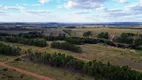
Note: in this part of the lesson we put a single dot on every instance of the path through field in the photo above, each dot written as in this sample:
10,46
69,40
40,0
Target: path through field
26,72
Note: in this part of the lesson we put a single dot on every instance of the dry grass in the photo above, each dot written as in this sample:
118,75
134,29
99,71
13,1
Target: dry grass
100,52
80,31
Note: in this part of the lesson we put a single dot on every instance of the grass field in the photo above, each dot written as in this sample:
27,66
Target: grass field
6,57
6,74
80,31
100,52
56,73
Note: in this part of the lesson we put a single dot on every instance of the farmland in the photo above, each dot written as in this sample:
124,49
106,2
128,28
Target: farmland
99,52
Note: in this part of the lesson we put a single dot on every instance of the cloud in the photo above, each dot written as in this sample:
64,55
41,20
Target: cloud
44,1
39,11
82,12
129,10
0,6
84,4
59,6
36,5
14,7
135,8
123,1
114,13
1,12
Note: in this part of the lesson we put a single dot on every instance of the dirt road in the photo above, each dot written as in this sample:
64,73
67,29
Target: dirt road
26,72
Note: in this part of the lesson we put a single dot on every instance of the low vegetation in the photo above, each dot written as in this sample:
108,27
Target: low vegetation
7,74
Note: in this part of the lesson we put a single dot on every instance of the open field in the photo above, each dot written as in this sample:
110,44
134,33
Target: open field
80,31
7,74
5,57
99,52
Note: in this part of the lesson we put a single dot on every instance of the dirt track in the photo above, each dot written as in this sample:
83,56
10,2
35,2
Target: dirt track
26,72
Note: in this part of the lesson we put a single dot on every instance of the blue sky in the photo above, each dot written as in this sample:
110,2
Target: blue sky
70,11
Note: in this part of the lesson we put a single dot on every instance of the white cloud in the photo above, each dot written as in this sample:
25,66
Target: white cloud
84,4
2,12
130,12
59,6
123,1
1,6
36,5
14,7
44,1
82,12
135,8
38,11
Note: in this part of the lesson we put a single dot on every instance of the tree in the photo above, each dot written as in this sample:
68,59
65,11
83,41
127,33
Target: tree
66,46
103,35
92,68
87,34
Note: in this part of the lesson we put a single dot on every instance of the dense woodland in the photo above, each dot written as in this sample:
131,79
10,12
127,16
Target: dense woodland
66,46
9,50
92,68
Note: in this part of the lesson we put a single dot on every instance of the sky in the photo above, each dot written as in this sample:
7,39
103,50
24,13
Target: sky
76,11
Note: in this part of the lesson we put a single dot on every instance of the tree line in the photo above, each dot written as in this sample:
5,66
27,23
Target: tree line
92,68
21,40
135,41
54,38
9,50
75,40
66,46
33,34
